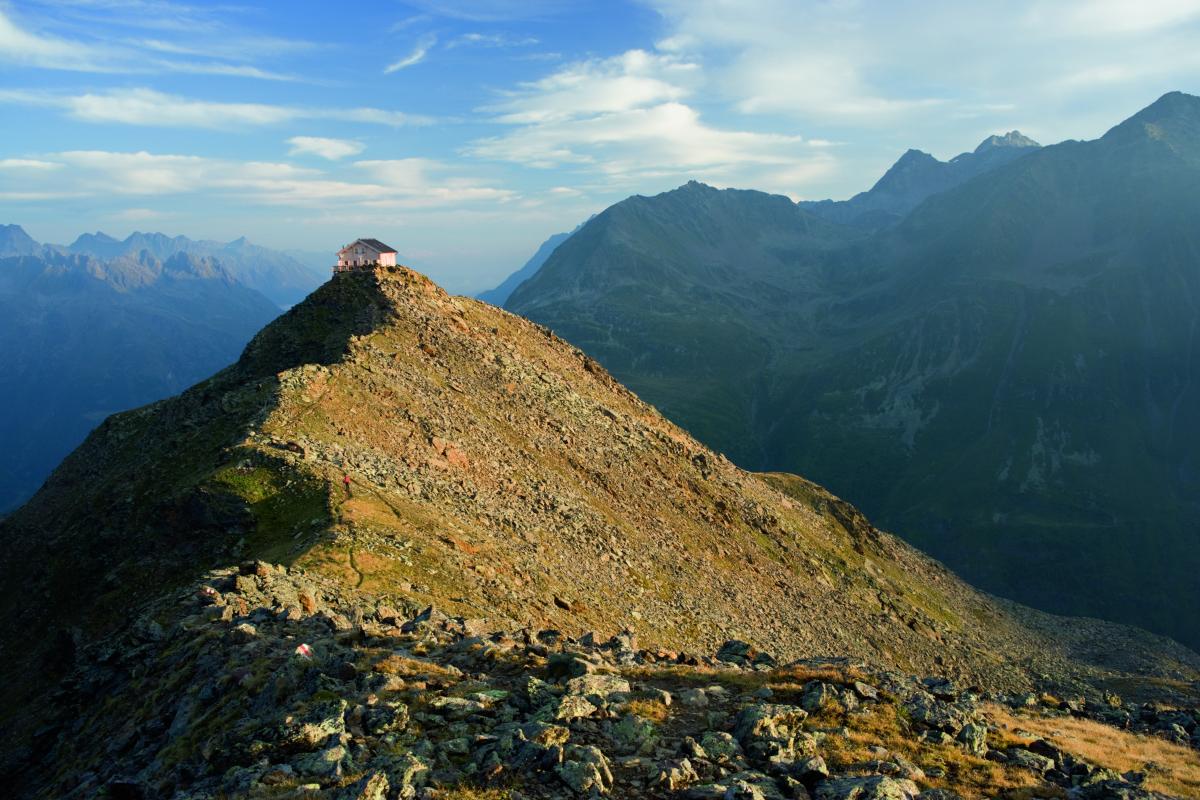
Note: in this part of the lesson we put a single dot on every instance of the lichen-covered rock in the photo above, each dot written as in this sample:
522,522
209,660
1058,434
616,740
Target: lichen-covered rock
374,786
876,787
768,721
573,706
584,769
598,687
973,738
323,720
933,713
1020,757
633,734
721,747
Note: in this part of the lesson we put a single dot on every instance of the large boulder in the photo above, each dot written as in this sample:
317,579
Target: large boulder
585,769
744,654
876,787
927,710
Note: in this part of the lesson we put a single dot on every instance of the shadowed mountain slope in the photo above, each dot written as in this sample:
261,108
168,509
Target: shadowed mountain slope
1006,377
82,338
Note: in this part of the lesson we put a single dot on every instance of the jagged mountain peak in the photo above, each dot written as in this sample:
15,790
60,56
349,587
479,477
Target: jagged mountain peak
14,241
85,239
1013,138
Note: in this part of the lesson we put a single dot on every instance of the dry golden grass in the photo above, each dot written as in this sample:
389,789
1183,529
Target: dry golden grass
405,667
654,710
1177,770
697,675
471,793
883,725
797,673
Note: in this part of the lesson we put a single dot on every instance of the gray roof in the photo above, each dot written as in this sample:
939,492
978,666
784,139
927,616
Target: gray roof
375,244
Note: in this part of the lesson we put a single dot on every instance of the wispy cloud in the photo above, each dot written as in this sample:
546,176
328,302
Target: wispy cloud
871,65
490,40
31,48
331,149
424,44
224,54
401,184
494,10
28,164
147,107
410,21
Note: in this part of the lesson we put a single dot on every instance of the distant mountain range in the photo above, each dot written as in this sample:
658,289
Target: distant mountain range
83,336
281,277
997,357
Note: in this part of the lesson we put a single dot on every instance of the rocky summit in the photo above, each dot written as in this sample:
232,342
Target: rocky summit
411,545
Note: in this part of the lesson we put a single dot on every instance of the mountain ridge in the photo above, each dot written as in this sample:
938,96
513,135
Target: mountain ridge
951,349
917,175
252,620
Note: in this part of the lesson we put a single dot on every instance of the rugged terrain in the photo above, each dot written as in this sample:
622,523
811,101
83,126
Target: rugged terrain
268,682
1006,377
498,475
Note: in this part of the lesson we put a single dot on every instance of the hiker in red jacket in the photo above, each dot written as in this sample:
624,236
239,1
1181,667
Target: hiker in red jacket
346,483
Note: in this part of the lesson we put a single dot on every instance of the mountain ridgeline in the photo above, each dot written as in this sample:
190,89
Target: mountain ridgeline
917,176
500,294
393,449
278,276
1006,374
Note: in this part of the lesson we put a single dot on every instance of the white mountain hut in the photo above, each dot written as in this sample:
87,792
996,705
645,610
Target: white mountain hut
365,254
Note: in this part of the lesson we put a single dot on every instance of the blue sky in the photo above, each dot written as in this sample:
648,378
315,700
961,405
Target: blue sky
464,132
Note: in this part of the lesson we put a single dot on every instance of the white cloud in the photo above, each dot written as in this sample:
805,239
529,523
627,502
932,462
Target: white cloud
415,57
331,149
631,80
148,107
869,65
625,119
403,184
1106,18
138,214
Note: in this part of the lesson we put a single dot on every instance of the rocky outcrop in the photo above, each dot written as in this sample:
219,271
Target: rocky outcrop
240,690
